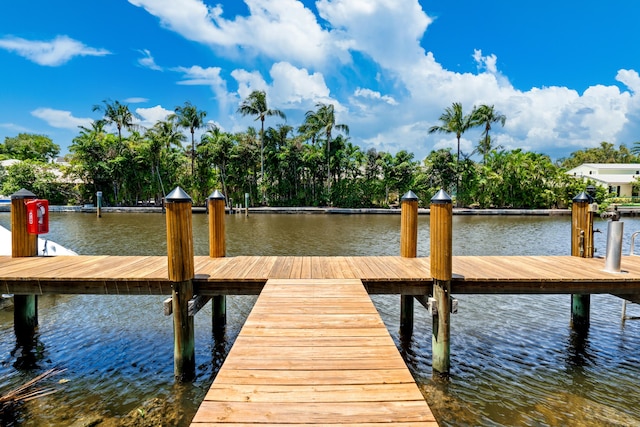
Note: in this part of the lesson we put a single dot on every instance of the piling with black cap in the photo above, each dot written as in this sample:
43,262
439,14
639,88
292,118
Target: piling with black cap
217,249
581,246
23,244
181,273
408,249
441,257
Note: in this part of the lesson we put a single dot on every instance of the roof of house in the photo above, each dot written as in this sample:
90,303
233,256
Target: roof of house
610,166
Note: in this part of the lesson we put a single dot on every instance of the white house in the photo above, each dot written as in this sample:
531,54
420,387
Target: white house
617,177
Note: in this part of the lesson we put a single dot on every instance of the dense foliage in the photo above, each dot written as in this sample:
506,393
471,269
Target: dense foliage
314,164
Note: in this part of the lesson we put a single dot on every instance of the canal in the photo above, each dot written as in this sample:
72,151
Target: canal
515,360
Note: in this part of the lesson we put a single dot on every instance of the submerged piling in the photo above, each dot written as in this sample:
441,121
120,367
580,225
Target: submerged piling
217,249
23,244
181,272
581,246
408,249
441,256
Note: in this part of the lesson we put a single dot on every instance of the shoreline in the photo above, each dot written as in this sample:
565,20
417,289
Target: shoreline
307,210
624,212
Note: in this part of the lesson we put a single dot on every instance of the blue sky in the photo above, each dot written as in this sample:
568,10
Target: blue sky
565,74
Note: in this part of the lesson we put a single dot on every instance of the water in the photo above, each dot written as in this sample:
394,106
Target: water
515,361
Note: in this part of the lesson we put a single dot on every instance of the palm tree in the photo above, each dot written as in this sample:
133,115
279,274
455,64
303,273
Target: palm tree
454,121
219,145
189,117
485,115
162,136
117,114
256,105
324,121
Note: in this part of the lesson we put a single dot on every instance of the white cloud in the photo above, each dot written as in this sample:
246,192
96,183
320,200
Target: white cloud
50,53
60,119
210,77
12,127
282,30
147,60
389,31
150,116
296,87
248,82
629,78
371,94
136,100
291,87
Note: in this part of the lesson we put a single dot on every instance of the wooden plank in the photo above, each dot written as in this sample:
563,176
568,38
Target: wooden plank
313,352
305,377
313,393
314,413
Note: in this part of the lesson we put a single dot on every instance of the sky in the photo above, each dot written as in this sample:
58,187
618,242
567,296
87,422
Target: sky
564,73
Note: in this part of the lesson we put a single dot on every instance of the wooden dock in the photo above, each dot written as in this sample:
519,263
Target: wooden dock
244,275
314,352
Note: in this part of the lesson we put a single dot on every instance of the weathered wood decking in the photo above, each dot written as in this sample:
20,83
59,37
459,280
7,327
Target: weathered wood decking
314,351
147,275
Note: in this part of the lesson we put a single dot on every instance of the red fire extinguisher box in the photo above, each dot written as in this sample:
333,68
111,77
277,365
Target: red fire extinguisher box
37,216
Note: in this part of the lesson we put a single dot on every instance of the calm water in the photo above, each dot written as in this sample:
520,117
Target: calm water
515,361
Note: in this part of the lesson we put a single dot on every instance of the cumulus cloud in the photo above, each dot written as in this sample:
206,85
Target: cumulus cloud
60,118
50,53
282,30
389,31
372,94
150,116
296,87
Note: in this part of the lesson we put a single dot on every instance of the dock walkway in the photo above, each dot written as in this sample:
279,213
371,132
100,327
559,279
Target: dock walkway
246,275
314,351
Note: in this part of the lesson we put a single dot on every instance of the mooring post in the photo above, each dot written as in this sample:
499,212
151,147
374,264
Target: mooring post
99,204
23,244
581,246
181,272
441,256
246,204
217,249
408,249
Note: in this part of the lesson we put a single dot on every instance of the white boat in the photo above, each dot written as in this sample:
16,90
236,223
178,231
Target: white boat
45,248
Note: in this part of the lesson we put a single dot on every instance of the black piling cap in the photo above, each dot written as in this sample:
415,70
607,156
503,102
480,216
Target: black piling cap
178,195
216,195
583,198
23,194
409,196
441,198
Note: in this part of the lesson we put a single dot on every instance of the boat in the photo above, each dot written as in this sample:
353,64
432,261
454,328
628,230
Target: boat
46,247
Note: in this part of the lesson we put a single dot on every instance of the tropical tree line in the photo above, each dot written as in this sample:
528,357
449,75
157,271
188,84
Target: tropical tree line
313,164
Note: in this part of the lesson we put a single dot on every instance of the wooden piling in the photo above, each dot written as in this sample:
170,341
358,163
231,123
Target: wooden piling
408,249
181,272
441,256
217,249
23,244
99,204
581,246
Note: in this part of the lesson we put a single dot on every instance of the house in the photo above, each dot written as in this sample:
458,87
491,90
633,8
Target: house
617,177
